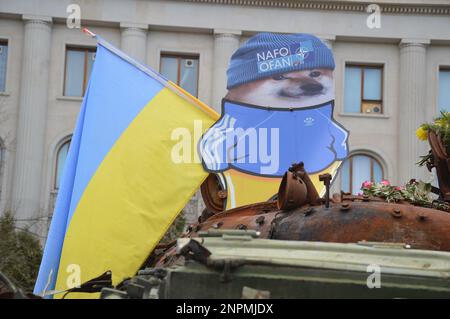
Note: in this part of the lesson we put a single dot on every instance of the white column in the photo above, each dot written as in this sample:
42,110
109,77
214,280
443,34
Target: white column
412,108
32,117
226,42
134,40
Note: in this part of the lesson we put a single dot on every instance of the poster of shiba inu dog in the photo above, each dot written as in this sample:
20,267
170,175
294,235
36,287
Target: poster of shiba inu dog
278,111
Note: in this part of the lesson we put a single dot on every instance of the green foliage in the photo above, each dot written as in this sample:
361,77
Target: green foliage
383,190
441,126
425,159
20,254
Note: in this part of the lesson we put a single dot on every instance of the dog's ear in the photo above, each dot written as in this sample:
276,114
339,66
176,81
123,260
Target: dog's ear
229,95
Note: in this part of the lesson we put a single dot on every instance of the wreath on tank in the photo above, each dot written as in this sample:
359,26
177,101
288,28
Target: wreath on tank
415,192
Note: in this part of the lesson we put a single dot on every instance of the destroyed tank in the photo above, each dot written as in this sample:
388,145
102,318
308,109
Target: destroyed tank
299,245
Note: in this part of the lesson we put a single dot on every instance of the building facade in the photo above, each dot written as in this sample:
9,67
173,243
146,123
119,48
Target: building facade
392,74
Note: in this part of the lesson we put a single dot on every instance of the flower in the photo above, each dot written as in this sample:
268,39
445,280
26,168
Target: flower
367,184
415,192
422,133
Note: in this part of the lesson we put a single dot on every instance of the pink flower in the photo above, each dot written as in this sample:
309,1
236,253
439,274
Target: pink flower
398,188
367,184
385,183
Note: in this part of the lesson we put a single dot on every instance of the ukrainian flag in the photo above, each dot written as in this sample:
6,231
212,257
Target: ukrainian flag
121,189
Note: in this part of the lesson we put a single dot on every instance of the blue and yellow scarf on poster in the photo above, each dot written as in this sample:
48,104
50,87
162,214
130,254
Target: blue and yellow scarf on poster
251,147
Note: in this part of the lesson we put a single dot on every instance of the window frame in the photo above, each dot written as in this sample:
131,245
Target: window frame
86,50
372,158
363,66
6,41
441,68
64,141
179,56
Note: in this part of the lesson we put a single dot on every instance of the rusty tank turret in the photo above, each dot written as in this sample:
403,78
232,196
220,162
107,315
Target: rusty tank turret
297,213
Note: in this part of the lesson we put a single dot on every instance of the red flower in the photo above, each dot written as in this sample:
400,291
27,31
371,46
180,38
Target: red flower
367,184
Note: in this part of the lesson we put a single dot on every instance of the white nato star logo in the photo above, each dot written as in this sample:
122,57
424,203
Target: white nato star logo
301,52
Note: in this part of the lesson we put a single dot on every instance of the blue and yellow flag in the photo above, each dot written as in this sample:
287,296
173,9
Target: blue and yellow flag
121,188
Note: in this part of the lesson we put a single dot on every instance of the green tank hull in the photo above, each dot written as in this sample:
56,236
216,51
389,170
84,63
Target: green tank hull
235,264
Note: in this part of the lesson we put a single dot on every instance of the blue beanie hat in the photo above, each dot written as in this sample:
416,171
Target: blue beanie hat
269,54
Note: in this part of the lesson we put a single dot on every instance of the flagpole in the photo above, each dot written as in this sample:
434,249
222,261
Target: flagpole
89,32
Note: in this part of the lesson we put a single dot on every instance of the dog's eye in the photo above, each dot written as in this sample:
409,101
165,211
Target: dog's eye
279,77
315,74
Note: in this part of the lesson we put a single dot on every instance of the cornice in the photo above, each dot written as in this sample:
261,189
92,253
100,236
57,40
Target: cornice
336,6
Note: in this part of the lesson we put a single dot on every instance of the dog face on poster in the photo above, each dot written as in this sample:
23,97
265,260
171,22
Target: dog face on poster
278,111
293,89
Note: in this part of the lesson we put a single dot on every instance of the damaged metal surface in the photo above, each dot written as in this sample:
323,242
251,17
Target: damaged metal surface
213,195
299,214
293,192
351,222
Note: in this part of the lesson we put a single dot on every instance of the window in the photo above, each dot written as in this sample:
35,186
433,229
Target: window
3,62
78,68
181,70
357,169
363,91
444,90
61,156
2,154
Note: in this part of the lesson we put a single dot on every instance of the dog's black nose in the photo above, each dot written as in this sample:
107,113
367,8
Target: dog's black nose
312,88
